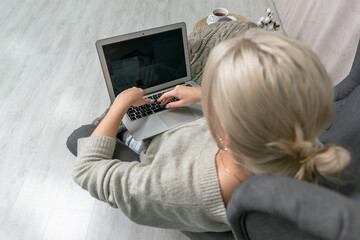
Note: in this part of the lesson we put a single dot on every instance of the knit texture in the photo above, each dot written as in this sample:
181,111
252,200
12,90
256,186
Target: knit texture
206,38
174,186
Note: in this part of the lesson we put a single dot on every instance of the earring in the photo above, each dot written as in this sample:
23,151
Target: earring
223,145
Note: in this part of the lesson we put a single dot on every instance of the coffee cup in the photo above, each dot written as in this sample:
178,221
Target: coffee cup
217,14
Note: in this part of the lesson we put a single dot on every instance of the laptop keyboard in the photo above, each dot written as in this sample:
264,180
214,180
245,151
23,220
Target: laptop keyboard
148,109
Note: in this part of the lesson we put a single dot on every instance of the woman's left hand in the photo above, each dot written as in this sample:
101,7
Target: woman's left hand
132,97
110,124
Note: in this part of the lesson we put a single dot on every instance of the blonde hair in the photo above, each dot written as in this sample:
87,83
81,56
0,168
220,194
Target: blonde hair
272,97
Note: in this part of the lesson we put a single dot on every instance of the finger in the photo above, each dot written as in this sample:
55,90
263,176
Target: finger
148,101
143,102
165,101
163,97
166,95
179,103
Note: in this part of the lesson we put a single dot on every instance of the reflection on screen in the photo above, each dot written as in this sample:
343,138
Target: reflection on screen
146,61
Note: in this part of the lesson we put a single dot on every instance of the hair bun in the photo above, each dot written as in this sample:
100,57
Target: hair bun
303,149
331,160
299,149
309,150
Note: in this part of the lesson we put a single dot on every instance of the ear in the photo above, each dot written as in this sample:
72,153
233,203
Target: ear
226,140
223,134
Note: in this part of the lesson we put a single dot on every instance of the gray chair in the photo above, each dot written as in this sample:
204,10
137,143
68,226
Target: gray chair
269,207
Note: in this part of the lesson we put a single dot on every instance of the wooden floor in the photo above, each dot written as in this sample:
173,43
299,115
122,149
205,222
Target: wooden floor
50,84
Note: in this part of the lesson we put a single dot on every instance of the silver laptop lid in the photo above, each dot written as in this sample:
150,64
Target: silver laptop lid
152,59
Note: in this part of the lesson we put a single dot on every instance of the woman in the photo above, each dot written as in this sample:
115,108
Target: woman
265,98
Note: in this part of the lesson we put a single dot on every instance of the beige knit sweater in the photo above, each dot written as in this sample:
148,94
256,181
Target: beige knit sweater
174,186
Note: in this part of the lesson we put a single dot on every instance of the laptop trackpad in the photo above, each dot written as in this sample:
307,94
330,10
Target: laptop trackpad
174,117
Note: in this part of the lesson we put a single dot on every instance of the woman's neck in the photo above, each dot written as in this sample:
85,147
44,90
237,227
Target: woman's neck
230,174
236,169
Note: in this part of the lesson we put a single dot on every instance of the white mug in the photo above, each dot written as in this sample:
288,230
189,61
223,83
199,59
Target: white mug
218,13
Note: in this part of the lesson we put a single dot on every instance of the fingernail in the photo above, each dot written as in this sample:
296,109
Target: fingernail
152,101
167,106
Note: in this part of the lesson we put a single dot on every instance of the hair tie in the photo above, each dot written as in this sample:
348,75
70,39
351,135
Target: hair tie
309,157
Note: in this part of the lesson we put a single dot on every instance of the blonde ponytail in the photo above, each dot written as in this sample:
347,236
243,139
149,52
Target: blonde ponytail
328,162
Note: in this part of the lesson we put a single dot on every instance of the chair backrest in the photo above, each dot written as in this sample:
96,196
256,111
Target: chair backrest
310,208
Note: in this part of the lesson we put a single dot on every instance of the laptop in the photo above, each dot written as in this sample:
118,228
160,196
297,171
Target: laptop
155,60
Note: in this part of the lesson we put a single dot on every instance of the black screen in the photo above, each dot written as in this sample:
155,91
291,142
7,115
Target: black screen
146,61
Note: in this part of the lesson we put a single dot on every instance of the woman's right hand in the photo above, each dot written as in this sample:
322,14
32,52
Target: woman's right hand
186,95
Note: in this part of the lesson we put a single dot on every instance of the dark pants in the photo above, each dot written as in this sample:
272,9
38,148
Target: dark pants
122,151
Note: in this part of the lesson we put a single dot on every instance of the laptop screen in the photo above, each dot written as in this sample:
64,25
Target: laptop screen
146,61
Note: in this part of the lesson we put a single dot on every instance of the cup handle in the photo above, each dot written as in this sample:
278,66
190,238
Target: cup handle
211,18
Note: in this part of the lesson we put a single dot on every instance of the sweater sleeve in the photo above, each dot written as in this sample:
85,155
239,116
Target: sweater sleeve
148,194
94,170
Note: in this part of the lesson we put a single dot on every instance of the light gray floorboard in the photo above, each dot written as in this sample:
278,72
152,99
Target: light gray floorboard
51,83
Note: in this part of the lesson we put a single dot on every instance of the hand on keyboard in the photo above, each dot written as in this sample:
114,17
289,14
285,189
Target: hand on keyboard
132,97
145,110
186,96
